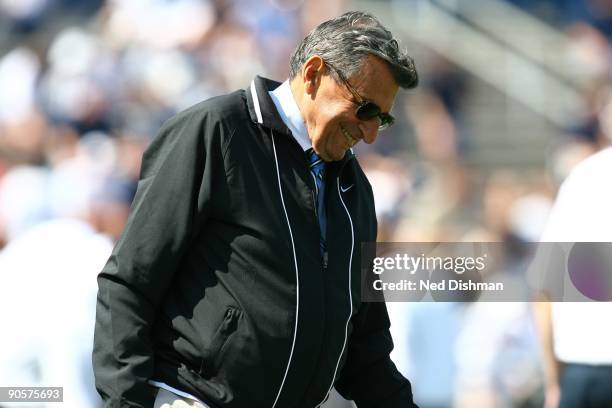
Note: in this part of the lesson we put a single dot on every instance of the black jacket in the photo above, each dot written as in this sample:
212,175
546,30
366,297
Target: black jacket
217,286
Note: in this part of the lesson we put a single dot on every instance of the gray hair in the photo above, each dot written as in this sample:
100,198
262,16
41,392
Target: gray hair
345,41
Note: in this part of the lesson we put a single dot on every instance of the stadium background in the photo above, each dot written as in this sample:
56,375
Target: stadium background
513,94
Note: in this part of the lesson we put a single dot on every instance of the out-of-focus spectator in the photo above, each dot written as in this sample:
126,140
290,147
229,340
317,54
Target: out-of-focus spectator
47,298
576,337
56,247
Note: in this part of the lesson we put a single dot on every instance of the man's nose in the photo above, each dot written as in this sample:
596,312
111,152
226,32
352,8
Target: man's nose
369,129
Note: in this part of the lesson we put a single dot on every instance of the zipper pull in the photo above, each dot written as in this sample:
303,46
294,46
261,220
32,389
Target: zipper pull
324,260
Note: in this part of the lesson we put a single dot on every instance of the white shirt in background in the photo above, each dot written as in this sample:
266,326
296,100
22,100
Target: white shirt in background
583,213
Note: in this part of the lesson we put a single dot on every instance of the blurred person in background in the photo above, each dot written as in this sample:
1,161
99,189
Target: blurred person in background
576,336
48,271
235,282
47,274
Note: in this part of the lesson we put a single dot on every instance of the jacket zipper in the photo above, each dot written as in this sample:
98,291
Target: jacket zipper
324,262
349,289
326,254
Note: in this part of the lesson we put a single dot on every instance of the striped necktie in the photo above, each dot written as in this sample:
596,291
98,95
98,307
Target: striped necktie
317,170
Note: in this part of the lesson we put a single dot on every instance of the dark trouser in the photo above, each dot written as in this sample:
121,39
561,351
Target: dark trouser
586,386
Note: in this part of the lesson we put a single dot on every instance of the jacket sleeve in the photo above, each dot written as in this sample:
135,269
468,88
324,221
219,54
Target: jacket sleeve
172,199
369,377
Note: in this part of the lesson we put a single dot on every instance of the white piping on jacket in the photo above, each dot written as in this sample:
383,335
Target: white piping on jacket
256,103
349,290
297,277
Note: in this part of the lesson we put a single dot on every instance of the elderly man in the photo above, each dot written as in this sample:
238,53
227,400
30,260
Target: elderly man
236,282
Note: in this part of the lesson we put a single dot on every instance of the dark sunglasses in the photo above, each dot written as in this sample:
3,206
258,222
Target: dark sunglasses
366,110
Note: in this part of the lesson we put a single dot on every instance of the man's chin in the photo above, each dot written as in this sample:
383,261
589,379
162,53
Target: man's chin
330,158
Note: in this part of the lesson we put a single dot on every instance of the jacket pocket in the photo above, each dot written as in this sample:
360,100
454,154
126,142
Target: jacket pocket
214,356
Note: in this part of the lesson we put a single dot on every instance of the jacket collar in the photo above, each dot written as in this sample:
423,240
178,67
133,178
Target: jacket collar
261,107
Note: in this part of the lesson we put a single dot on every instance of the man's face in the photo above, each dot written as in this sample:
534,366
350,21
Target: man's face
333,126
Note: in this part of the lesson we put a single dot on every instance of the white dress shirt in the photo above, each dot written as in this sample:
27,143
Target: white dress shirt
290,114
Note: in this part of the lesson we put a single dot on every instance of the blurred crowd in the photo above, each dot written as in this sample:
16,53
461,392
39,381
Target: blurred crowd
84,86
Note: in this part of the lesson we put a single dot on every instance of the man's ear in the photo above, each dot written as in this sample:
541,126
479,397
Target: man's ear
312,71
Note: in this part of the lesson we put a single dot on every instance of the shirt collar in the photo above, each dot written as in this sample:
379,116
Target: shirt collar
290,114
